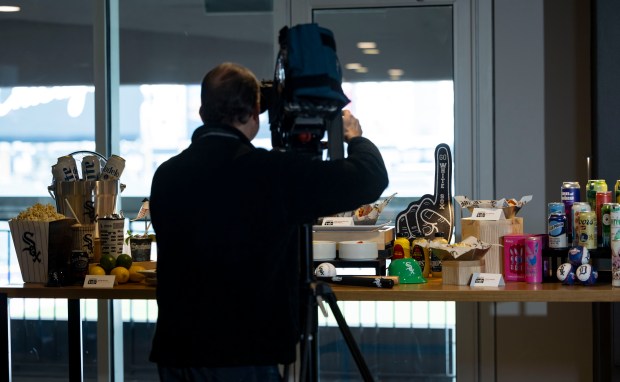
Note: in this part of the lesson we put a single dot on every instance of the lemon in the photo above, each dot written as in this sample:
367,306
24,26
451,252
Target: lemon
134,274
121,273
124,260
107,262
96,270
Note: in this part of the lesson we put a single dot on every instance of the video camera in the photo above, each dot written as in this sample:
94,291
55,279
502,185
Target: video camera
305,97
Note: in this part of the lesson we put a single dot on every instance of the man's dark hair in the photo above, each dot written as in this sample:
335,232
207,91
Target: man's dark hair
230,93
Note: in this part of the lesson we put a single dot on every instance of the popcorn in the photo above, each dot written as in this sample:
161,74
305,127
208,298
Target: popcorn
40,212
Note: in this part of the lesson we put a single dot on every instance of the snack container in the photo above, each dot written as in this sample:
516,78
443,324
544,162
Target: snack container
42,247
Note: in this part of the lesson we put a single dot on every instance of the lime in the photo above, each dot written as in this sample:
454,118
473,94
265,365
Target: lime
121,273
123,260
107,262
134,273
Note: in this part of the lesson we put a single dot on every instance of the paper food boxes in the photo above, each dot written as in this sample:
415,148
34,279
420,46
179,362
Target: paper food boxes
490,221
461,260
41,246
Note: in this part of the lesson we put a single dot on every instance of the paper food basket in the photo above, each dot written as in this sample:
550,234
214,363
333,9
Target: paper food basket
41,246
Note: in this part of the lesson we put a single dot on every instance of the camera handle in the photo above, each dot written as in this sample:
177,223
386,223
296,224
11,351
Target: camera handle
317,292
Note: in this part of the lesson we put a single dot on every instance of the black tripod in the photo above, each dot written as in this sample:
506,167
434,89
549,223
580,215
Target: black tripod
316,292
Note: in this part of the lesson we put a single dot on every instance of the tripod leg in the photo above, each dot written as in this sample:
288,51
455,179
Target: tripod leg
327,293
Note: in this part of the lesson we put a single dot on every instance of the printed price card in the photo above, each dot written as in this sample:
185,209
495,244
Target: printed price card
487,280
99,281
338,221
487,214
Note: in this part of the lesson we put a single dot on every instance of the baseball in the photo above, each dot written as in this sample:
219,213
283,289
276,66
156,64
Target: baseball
325,270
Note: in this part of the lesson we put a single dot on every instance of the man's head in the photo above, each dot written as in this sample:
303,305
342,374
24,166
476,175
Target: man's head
230,94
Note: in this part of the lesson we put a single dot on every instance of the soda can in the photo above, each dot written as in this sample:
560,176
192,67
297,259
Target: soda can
601,197
91,167
556,229
587,230
606,225
614,221
577,208
615,263
533,259
617,192
570,193
594,186
113,168
79,265
68,168
555,207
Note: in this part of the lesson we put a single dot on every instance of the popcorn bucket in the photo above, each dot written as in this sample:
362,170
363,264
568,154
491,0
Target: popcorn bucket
140,248
42,247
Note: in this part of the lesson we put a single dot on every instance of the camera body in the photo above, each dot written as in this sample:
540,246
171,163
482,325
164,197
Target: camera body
305,98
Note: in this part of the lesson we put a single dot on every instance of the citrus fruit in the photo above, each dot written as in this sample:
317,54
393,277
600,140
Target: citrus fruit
121,273
124,260
96,270
107,262
134,274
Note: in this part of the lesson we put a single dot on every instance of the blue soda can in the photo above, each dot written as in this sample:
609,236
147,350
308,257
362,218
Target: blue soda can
555,207
571,193
566,274
556,229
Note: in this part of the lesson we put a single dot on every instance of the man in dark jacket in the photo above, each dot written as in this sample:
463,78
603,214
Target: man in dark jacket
226,215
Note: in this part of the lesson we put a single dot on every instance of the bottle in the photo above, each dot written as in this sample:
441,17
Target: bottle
419,252
435,261
402,249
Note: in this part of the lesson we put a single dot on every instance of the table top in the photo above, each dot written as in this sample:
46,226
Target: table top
434,290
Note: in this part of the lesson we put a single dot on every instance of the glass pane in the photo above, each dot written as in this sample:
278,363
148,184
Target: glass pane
46,92
166,49
398,73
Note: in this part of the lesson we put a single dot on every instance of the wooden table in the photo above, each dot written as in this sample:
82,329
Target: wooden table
434,290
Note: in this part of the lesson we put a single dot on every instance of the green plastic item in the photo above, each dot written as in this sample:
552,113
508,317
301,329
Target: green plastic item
407,270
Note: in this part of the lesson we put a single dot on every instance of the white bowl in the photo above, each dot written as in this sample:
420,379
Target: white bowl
323,250
357,250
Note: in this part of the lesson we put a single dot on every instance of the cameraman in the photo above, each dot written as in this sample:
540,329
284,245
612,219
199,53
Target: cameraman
227,217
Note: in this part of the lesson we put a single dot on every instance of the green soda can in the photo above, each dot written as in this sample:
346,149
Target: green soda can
594,186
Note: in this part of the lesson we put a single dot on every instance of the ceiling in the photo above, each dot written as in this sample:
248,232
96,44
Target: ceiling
175,40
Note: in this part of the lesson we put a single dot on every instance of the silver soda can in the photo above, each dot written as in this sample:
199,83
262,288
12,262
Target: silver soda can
614,221
556,229
587,229
615,263
91,167
68,166
606,225
576,209
113,168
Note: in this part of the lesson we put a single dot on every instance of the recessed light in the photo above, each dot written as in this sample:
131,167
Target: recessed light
371,51
353,66
9,8
396,72
366,45
362,70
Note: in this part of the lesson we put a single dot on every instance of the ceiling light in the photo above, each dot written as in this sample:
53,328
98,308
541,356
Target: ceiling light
353,66
371,51
362,69
366,45
9,8
395,72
